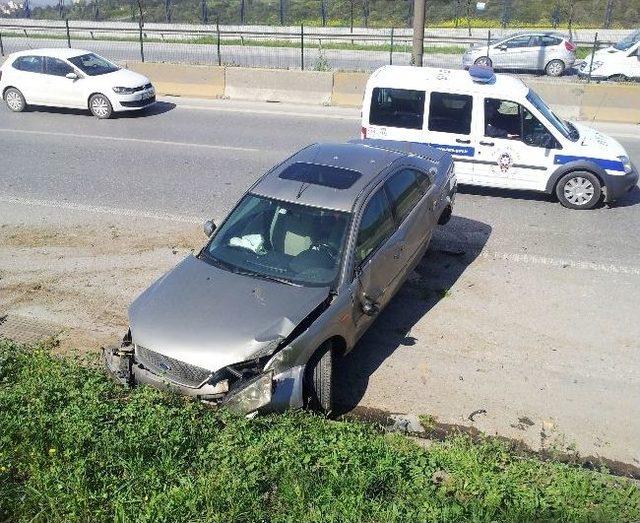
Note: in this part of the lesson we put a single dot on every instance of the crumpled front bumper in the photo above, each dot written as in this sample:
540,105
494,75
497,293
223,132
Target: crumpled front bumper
264,392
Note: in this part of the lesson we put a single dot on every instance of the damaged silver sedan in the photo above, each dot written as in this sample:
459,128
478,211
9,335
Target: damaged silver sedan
291,279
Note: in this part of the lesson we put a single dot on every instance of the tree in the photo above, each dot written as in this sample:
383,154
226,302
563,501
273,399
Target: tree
27,9
608,14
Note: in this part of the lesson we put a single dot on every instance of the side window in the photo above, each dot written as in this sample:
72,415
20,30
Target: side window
450,113
56,67
534,132
548,41
375,227
404,193
29,64
397,108
502,119
535,41
519,41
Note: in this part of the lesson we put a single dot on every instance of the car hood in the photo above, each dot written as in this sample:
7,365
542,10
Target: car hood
211,318
592,140
126,78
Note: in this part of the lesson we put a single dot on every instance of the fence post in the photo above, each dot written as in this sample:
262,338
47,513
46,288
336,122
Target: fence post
391,48
488,44
593,53
141,38
302,46
66,23
218,40
1,46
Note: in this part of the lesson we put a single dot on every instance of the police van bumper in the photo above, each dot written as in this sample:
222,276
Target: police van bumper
616,186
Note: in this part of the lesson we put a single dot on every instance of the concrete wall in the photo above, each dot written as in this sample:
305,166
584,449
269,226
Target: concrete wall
574,100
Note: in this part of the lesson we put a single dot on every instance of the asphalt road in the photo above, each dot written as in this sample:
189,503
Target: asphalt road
522,308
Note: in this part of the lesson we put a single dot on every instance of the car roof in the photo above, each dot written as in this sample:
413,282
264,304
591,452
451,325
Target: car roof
368,159
533,33
56,52
444,80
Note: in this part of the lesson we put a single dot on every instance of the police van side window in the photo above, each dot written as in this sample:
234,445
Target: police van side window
450,113
510,120
402,108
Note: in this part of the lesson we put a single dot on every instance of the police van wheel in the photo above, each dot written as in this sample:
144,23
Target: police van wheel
579,190
555,68
483,61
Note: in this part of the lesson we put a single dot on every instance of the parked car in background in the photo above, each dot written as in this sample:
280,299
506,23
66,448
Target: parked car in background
620,62
550,53
294,276
72,78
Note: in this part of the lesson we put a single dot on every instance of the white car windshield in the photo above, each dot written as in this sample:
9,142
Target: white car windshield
567,130
281,241
93,65
627,42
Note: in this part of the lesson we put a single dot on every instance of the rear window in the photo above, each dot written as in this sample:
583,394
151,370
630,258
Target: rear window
402,108
29,64
450,113
324,175
550,40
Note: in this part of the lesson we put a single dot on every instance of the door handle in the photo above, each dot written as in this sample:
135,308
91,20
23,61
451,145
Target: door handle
488,144
460,140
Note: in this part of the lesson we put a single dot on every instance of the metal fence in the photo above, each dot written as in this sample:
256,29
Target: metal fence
287,47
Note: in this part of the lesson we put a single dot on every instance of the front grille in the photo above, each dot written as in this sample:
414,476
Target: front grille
141,88
173,370
139,103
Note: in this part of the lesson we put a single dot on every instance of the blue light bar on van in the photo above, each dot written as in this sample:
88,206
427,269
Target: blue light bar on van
482,74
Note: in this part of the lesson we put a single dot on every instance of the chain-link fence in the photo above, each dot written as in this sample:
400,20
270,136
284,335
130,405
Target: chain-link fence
561,54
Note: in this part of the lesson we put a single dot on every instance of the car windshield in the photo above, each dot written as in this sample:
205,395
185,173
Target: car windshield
280,241
627,42
93,65
567,130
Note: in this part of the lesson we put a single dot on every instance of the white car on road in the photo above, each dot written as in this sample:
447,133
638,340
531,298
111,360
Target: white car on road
72,78
621,61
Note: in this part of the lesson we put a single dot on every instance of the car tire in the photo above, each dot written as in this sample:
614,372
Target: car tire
483,61
318,380
555,68
618,78
579,190
15,100
100,106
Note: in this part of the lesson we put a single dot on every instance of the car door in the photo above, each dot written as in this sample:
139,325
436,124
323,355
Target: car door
30,78
512,53
62,91
449,129
377,259
516,150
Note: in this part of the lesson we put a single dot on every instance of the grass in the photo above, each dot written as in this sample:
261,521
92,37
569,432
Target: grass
76,447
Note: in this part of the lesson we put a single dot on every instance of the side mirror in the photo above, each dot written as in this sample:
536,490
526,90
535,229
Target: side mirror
71,76
209,228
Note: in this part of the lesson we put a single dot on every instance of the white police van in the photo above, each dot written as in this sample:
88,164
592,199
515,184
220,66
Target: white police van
500,133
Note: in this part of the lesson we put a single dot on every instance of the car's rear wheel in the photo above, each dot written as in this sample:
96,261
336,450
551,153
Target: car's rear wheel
579,190
618,78
100,106
318,379
483,61
555,68
15,100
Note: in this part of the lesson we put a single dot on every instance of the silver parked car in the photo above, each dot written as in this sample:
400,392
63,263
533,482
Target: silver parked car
548,52
293,277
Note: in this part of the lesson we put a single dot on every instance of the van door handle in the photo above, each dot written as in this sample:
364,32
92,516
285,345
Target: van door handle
488,144
460,140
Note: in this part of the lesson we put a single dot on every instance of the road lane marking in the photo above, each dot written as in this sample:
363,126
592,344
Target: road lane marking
519,258
137,140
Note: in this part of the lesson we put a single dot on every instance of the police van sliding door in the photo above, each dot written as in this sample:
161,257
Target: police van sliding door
515,150
396,114
449,128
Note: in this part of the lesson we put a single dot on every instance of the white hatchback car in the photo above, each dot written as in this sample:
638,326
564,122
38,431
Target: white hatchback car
72,78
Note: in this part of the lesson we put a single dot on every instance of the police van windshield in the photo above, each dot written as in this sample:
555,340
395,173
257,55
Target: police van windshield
567,130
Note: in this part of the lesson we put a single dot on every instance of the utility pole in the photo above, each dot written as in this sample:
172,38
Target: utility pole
205,12
242,11
281,12
418,32
167,11
608,14
27,9
323,12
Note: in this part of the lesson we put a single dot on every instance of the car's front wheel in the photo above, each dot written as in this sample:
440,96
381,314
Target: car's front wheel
483,61
555,68
15,100
318,379
100,106
579,190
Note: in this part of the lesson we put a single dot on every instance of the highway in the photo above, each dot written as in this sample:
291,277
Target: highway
522,308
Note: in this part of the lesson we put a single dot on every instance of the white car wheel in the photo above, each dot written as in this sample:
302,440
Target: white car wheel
15,100
555,68
100,106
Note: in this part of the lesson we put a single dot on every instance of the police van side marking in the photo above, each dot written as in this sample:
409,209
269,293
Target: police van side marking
499,132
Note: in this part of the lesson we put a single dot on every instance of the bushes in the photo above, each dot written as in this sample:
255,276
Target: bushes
76,447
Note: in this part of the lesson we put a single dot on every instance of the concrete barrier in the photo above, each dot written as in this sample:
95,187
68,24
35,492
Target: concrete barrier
611,103
348,89
183,80
276,85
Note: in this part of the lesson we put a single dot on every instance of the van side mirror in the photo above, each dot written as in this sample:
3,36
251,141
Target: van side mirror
209,228
71,76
